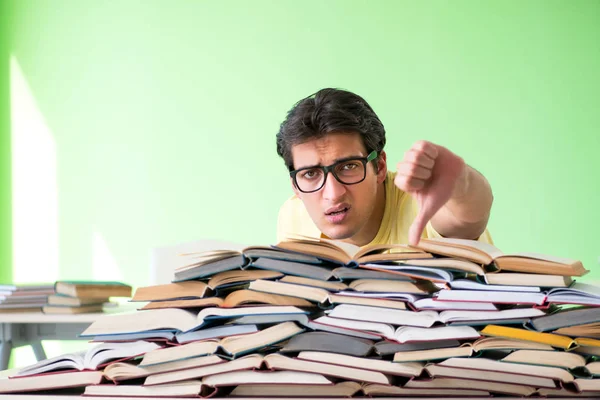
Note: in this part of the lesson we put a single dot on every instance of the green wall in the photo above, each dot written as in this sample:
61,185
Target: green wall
5,159
164,114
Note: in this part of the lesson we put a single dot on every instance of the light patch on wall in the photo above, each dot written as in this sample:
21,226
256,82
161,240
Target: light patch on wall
104,265
34,186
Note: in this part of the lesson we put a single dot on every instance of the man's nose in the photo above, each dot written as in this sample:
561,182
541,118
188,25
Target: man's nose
333,189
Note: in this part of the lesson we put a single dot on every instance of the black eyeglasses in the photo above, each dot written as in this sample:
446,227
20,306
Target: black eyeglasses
347,172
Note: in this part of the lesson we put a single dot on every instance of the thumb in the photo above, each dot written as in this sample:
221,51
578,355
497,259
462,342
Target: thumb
427,210
416,229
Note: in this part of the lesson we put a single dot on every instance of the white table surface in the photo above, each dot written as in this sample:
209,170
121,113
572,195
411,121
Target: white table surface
39,317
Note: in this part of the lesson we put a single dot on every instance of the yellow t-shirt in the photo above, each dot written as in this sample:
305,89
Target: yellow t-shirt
400,211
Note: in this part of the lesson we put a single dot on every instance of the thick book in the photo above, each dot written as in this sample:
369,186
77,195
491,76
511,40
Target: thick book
249,362
428,303
124,371
50,381
487,254
233,346
560,359
401,334
330,286
472,373
585,330
279,362
564,319
408,369
175,319
94,289
236,277
173,291
245,377
318,295
428,318
468,284
191,388
460,383
578,293
377,390
216,332
204,264
433,274
340,389
61,300
323,272
91,359
524,279
328,342
483,365
385,347
434,351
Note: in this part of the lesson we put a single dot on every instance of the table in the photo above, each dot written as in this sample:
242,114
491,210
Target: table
29,329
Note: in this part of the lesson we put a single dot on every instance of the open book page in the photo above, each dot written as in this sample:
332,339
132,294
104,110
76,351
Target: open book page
486,248
544,257
71,360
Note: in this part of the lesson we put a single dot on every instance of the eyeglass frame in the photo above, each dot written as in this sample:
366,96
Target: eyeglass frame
331,168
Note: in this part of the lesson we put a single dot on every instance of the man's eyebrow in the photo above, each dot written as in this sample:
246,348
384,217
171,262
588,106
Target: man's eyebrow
335,161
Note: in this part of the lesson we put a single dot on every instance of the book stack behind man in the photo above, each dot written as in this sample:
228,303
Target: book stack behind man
319,318
19,298
78,297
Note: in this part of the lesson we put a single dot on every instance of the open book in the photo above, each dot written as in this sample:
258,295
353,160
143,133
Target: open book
424,351
50,381
321,296
231,347
578,293
201,264
234,299
401,334
487,254
485,366
428,318
560,359
564,319
348,254
175,319
90,359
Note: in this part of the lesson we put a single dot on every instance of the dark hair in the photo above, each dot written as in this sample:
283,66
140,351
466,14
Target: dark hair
328,111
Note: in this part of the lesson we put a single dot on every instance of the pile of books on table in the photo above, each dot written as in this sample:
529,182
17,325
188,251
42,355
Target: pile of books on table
61,297
319,318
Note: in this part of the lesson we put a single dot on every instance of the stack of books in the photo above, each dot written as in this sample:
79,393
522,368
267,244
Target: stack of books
19,298
78,297
320,318
61,297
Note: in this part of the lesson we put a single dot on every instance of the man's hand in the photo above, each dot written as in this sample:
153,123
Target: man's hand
429,173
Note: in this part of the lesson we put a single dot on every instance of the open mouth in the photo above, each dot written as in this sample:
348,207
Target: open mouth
338,212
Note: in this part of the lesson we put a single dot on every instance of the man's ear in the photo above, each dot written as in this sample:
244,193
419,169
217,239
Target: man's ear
381,167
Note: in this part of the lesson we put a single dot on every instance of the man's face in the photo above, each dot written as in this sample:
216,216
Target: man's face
339,211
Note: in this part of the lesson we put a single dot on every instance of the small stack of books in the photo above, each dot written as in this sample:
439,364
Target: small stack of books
77,297
320,318
19,298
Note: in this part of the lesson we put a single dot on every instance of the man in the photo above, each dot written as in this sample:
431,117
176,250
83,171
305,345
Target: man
332,143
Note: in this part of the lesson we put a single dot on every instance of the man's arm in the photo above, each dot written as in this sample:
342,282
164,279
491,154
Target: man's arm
466,213
453,196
